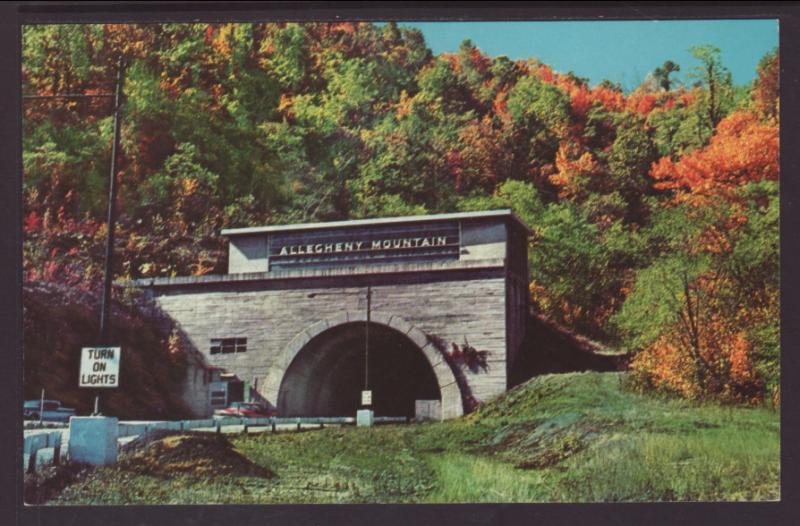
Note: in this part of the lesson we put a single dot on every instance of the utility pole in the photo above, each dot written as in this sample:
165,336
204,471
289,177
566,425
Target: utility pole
108,276
105,308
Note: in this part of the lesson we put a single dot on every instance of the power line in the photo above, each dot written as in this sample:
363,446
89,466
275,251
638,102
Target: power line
69,96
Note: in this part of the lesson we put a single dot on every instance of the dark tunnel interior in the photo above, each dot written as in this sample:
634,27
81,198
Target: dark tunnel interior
327,375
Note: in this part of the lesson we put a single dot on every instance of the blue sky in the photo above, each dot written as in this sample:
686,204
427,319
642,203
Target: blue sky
620,51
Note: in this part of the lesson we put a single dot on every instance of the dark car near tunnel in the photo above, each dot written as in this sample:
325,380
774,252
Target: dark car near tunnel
50,411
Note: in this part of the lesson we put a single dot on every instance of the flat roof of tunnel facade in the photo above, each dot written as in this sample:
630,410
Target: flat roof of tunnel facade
435,282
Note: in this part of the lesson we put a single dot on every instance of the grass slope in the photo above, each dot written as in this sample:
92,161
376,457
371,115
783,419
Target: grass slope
574,437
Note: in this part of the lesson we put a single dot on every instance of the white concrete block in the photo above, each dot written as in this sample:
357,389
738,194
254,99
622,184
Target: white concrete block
365,417
93,440
428,410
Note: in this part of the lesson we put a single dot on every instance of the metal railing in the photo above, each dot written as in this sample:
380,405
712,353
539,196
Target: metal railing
139,428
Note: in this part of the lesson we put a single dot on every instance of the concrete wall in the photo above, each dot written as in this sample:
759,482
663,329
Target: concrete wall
483,240
195,390
248,254
471,307
518,293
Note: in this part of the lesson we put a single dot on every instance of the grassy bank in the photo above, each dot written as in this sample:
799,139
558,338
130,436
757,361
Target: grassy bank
567,437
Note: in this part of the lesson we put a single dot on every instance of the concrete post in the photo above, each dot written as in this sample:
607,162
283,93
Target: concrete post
93,440
32,462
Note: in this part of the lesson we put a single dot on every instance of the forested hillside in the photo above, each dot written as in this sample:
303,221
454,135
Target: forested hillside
655,212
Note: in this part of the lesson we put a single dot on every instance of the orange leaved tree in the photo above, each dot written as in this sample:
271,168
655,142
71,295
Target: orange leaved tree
743,150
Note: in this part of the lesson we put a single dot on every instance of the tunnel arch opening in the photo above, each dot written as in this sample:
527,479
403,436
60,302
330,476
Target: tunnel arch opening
326,376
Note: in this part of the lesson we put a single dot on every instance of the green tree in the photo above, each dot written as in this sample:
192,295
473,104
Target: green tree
440,86
629,161
715,79
765,92
534,104
661,296
540,116
287,56
661,74
679,130
417,143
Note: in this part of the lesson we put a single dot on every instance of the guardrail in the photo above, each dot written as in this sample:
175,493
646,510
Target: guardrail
140,428
45,440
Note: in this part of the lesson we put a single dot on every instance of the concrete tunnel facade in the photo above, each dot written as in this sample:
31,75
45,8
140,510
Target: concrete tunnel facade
290,316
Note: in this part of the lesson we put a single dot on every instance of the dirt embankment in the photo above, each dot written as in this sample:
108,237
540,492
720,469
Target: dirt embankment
168,453
162,454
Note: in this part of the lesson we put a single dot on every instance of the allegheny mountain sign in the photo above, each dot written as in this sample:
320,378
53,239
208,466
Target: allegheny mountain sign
356,246
364,244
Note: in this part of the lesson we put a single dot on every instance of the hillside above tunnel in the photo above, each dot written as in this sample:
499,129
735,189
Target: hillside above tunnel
58,321
552,348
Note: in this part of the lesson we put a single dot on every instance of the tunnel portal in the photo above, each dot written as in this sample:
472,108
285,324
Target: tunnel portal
327,375
286,323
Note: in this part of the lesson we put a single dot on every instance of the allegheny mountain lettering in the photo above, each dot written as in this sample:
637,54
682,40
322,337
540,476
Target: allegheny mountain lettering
362,246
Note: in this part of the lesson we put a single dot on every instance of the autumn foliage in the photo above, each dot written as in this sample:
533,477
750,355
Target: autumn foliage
230,125
718,360
743,150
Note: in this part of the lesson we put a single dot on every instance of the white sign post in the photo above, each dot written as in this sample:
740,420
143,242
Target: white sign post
365,417
100,367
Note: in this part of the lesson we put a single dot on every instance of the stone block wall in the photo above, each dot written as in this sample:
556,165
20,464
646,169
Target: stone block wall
453,308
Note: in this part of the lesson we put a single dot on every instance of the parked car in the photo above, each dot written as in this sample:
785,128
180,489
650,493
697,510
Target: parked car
247,409
53,411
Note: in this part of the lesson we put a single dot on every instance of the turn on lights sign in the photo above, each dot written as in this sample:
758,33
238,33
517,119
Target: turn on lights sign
100,366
